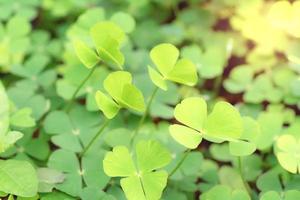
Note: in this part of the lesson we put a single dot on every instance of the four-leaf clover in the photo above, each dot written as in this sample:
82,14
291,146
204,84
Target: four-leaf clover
141,180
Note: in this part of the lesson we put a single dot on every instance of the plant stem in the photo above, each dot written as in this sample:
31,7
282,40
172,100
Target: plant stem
246,185
106,122
70,104
180,162
144,115
217,85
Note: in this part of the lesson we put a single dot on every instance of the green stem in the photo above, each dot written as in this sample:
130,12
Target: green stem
246,185
70,104
106,122
180,162
217,85
144,115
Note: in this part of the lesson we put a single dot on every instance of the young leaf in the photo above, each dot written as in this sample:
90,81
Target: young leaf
223,123
107,105
124,94
165,57
85,54
22,118
288,153
145,182
108,38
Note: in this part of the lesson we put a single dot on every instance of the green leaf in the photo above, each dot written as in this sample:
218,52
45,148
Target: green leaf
118,163
151,156
85,54
248,143
132,98
119,85
154,183
66,161
157,79
224,122
192,112
22,24
288,153
165,57
9,139
271,195
184,72
18,178
4,111
106,105
115,82
241,148
108,38
185,136
132,188
145,182
22,118
124,20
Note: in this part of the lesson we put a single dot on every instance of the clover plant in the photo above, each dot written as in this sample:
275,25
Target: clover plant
149,100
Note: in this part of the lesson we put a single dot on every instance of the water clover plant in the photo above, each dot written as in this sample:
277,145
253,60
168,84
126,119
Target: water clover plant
165,57
224,123
142,179
149,100
123,94
107,38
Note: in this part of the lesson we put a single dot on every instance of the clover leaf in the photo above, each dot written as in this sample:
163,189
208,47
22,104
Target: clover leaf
165,57
210,63
262,88
124,20
224,123
32,71
239,79
77,173
248,140
288,153
224,192
24,94
69,131
108,37
18,178
287,195
7,137
123,94
143,180
85,54
13,44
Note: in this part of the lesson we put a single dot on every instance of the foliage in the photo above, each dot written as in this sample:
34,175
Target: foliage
149,100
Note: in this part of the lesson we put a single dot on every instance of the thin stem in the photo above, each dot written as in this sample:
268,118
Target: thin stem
217,85
106,122
144,115
70,104
180,162
246,185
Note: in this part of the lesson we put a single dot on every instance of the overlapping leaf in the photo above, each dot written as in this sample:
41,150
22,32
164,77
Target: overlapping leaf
165,57
123,94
